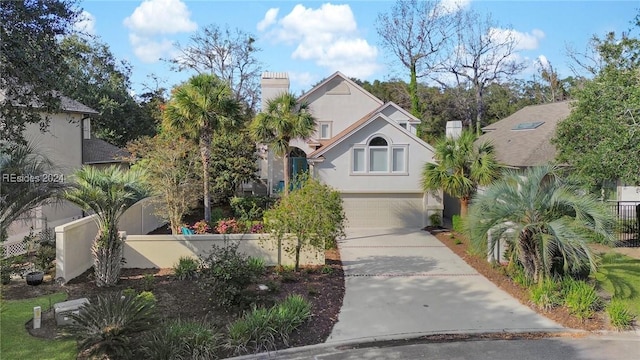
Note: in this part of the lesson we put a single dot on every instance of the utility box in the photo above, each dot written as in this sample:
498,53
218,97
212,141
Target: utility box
62,310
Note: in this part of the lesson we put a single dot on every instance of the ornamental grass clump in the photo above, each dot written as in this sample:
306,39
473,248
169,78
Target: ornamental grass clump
620,317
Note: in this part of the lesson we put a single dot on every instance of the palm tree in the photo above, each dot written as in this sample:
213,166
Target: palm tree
21,166
109,193
283,120
460,168
545,220
201,107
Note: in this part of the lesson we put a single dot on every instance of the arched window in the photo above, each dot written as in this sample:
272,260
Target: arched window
379,156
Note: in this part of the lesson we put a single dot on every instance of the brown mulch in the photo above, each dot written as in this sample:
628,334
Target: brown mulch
185,299
559,314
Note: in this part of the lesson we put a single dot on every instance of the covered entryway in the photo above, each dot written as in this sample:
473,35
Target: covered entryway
399,210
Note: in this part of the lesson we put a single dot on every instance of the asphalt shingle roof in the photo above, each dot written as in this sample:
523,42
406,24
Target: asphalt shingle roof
530,147
98,151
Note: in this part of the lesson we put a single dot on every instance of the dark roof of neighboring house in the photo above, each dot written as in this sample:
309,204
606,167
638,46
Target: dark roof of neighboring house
98,151
530,145
70,105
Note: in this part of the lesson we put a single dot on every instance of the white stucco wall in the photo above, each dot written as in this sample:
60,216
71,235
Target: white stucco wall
62,144
341,110
335,170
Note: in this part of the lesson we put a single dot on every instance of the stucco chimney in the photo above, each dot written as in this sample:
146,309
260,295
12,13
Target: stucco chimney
272,85
454,129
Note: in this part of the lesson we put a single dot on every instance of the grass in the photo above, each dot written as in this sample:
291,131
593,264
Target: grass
15,341
619,275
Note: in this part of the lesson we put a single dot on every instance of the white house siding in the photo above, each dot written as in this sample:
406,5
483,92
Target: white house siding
62,144
389,200
341,108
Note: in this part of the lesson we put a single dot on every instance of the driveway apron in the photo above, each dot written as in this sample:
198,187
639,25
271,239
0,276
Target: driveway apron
402,283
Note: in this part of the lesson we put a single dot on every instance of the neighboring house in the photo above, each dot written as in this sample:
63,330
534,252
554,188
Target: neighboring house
362,147
67,143
523,139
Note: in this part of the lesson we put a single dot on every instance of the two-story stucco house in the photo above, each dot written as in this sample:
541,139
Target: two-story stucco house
68,144
364,148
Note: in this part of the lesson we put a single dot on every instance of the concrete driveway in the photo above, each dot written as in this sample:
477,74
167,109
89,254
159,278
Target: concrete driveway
402,283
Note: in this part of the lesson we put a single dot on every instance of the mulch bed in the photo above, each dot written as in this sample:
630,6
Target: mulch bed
560,315
185,299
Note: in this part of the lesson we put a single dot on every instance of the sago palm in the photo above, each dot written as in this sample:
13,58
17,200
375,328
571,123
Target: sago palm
200,108
283,120
546,221
109,193
25,176
461,167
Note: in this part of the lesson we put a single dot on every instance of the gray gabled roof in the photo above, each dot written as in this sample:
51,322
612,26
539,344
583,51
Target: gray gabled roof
530,147
98,151
69,105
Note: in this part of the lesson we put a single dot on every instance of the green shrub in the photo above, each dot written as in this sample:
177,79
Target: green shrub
148,297
216,215
326,269
620,317
45,255
186,268
225,274
148,281
262,329
581,299
250,208
435,220
256,265
105,327
179,339
546,294
457,223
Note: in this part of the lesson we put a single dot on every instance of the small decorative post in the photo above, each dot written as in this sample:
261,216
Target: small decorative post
37,317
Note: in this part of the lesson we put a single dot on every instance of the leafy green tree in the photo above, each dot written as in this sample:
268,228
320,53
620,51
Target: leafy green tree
283,120
313,213
600,138
545,220
18,197
201,108
233,162
108,193
99,80
461,167
31,62
171,171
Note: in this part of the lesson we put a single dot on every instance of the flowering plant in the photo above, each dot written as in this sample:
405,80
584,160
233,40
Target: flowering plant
201,227
228,226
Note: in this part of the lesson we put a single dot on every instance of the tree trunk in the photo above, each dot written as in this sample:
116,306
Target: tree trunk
298,247
107,258
285,161
413,91
479,110
464,207
205,153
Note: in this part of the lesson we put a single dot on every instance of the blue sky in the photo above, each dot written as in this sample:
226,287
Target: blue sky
313,39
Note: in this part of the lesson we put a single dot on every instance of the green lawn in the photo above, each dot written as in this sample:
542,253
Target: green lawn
620,276
15,341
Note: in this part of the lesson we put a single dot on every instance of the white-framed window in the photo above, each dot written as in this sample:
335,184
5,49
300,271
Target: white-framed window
379,156
324,130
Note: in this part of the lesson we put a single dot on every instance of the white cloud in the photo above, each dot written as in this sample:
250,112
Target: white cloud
452,6
160,17
524,41
269,19
543,62
86,23
152,19
303,80
149,50
327,36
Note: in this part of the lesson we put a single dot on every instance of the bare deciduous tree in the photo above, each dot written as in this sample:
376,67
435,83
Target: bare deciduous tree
228,54
484,54
417,32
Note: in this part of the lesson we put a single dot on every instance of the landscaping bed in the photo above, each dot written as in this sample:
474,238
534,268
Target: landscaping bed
459,245
322,286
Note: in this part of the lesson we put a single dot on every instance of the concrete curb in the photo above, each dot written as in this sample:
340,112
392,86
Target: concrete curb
335,345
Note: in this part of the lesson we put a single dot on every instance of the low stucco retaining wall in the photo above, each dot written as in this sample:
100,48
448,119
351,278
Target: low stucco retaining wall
163,251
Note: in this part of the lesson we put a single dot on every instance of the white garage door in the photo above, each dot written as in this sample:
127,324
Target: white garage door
384,210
